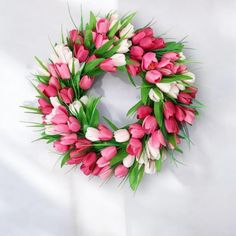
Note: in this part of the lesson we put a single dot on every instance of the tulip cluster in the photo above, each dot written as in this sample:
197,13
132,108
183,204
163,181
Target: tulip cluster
70,118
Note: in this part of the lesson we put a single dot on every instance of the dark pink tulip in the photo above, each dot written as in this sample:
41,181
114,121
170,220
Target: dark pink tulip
44,106
67,95
55,83
171,125
91,58
102,26
133,68
73,124
81,53
149,124
181,69
104,133
193,91
136,131
143,111
150,43
75,36
69,139
61,116
90,159
86,169
121,171
149,61
179,113
86,82
62,70
153,76
134,147
136,52
146,32
185,98
60,147
169,109
50,91
96,170
83,144
108,65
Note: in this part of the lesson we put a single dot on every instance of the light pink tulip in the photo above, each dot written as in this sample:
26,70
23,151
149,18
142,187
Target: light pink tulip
172,56
133,68
171,125
153,76
157,139
69,139
190,116
104,133
67,95
169,109
61,128
121,171
75,36
101,162
54,82
102,26
62,70
61,116
91,58
136,52
149,124
73,124
80,52
136,131
52,70
105,172
60,147
143,111
149,61
86,82
108,65
109,152
134,147
100,40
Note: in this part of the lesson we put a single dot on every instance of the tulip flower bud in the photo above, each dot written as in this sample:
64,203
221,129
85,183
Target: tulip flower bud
121,135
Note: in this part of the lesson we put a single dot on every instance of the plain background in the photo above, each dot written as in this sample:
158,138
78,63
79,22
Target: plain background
198,198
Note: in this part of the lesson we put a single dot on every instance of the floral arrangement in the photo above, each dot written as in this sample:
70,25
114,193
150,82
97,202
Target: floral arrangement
70,119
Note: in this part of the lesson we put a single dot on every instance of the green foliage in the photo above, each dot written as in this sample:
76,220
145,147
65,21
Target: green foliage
88,38
92,21
174,78
170,47
65,158
135,175
100,51
158,111
110,123
90,66
121,154
134,108
126,20
145,88
113,29
92,113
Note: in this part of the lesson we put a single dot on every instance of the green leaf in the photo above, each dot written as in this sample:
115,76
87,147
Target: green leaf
41,63
92,64
114,29
136,175
172,140
158,93
170,47
175,78
88,39
92,21
65,158
100,51
42,79
145,88
81,20
125,21
158,164
91,111
133,109
112,51
95,72
110,123
118,158
158,111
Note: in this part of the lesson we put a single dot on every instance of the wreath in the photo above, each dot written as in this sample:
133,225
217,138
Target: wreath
70,119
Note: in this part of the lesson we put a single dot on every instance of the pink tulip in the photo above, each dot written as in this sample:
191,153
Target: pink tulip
149,124
181,69
172,56
86,82
179,113
171,125
169,109
91,58
101,162
121,171
136,131
54,83
136,52
193,91
61,116
75,36
185,98
109,152
100,40
96,170
80,52
61,128
83,144
60,147
190,116
108,65
146,32
105,172
69,139
90,159
153,76
73,124
157,140
133,68
143,111
62,70
50,91
102,26
86,169
67,95
177,140
134,147
104,133
149,61
150,43
44,106
75,158
52,70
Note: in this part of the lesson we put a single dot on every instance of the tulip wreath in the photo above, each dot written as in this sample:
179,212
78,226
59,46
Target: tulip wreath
70,119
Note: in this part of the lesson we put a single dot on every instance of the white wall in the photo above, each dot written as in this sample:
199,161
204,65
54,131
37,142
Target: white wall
198,198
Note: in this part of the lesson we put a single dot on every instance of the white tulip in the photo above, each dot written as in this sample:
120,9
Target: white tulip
121,135
92,134
152,152
153,96
180,86
55,101
113,19
181,56
76,65
190,74
165,87
62,54
143,158
119,59
74,107
127,32
124,46
84,99
128,161
174,90
150,167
